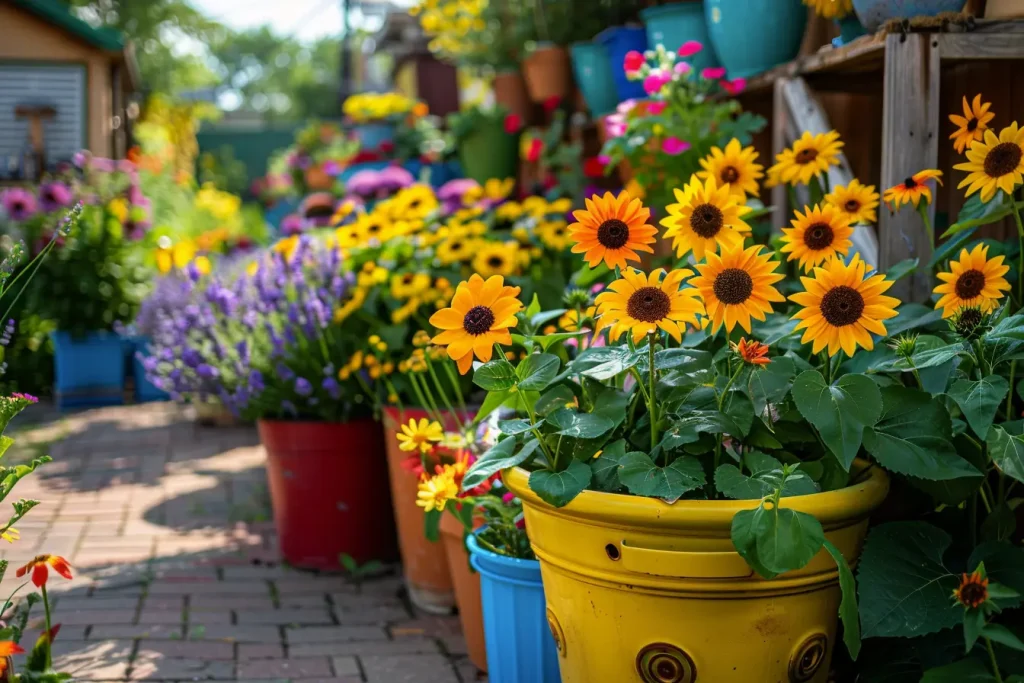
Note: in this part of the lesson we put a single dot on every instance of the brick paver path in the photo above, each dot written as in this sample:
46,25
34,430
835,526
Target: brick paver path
167,525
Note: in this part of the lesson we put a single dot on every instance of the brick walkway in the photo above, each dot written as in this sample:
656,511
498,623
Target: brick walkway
177,579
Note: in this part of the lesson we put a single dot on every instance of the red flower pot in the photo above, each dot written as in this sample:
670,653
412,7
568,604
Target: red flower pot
329,489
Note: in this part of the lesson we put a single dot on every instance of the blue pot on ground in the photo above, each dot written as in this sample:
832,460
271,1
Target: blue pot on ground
673,25
874,13
275,214
145,391
519,643
593,70
371,135
745,53
619,40
89,370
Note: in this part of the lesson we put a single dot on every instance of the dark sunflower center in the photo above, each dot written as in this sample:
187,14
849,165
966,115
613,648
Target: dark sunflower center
373,229
851,206
455,246
730,174
968,321
806,156
414,204
910,183
973,594
648,304
819,236
495,261
706,220
842,306
319,212
478,320
972,125
407,279
1002,159
733,286
613,234
969,284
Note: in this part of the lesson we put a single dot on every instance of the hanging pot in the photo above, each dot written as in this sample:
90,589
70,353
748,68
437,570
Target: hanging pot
674,24
874,13
510,93
548,73
745,53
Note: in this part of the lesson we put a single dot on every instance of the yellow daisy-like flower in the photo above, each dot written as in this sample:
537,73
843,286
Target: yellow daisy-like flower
996,163
455,249
343,211
973,281
842,308
434,493
911,190
570,320
736,286
420,436
351,306
855,202
830,9
492,191
286,246
496,258
410,284
707,216
972,125
817,235
808,157
10,534
734,167
371,226
612,229
641,304
554,235
413,202
509,212
480,316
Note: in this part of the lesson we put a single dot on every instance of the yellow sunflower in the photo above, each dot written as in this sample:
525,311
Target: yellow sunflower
641,304
612,229
409,285
831,9
817,235
972,125
554,235
808,157
414,202
911,190
371,226
995,163
705,217
973,281
855,202
734,167
496,258
509,212
842,308
492,191
456,249
737,286
419,436
481,314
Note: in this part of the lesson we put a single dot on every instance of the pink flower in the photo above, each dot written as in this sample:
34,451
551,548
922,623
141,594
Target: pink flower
712,73
655,81
735,86
633,61
682,68
690,48
604,159
655,108
508,498
673,146
615,125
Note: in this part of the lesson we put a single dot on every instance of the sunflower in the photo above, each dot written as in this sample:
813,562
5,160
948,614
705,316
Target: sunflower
972,591
480,316
509,212
855,202
817,235
974,280
972,125
492,192
554,235
612,229
408,285
705,217
496,258
456,249
737,285
415,201
734,167
842,308
809,156
371,226
912,189
419,436
642,304
830,9
995,163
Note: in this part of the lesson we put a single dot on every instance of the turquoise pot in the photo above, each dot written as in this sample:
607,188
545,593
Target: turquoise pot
874,13
745,52
673,25
593,71
850,29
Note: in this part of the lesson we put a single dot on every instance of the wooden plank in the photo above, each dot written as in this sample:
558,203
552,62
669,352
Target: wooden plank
909,143
780,126
980,45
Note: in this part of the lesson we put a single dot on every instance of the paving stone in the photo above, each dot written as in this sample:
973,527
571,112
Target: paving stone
333,634
96,616
92,661
236,633
408,646
346,666
185,649
169,669
408,669
161,616
260,651
285,616
135,631
294,668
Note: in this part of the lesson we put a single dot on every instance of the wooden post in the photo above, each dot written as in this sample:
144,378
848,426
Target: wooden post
780,130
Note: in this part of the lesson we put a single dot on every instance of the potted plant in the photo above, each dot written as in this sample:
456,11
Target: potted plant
746,53
373,116
487,142
557,24
673,24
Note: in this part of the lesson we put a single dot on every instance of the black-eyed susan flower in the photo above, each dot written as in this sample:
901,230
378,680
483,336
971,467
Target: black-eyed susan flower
413,202
751,351
641,304
831,9
734,166
420,436
706,217
491,193
456,249
612,229
554,235
736,286
40,566
509,212
809,156
972,125
973,280
496,258
995,163
817,235
911,190
972,591
481,314
855,202
433,493
842,308
371,227
408,285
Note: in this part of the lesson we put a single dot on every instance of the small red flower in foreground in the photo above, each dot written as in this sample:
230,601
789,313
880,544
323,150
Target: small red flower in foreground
753,352
513,123
552,103
534,150
973,590
633,61
733,87
40,572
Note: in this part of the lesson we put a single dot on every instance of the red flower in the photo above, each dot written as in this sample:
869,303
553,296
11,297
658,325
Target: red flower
552,103
633,61
735,86
386,147
513,123
40,572
593,168
536,147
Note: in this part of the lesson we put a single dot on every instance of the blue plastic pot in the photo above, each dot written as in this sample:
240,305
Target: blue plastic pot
620,40
593,71
371,135
673,25
745,52
440,172
88,371
850,29
874,13
145,391
519,643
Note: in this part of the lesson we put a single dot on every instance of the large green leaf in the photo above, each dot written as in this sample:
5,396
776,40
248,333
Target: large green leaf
976,213
513,427
777,540
536,371
495,375
904,585
580,425
688,429
643,477
980,400
901,269
964,671
612,404
499,457
1007,452
5,443
848,607
839,412
559,396
912,437
771,384
615,363
605,467
1004,564
732,483
558,488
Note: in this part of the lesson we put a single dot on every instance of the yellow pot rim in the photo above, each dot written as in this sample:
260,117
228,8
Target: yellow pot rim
832,508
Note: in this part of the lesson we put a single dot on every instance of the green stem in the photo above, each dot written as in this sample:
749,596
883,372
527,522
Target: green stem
1020,256
49,645
922,209
992,659
444,396
1009,394
652,404
455,385
984,500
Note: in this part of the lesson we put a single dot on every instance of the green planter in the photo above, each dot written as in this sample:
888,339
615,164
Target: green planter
489,152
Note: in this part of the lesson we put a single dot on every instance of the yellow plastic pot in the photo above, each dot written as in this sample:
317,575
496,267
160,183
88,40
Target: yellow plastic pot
639,590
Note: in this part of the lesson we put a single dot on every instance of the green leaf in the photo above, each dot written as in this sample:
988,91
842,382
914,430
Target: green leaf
559,396
771,384
558,488
909,317
974,622
999,524
500,456
777,540
739,408
605,467
1004,564
431,526
513,427
1007,452
1003,636
495,375
5,443
538,319
905,588
534,307
732,483
642,477
964,671
839,412
913,435
901,270
536,371
612,404
546,341
688,429
975,213
980,400
492,402
848,607
617,362
765,471
579,425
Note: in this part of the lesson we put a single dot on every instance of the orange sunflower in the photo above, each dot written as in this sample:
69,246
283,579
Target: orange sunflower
817,235
997,163
641,304
751,351
911,190
972,591
973,281
612,229
481,314
972,125
737,286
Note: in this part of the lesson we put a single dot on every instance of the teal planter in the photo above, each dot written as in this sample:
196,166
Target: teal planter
745,52
874,13
673,25
593,71
850,29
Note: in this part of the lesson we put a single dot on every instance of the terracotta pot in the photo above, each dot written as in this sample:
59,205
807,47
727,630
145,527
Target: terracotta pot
510,92
317,179
548,73
467,590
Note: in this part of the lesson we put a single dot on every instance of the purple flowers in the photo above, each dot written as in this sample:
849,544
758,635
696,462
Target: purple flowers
381,183
19,204
54,195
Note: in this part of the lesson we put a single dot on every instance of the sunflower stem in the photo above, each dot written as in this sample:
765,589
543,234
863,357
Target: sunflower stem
791,195
922,209
49,645
652,407
1020,255
992,659
444,396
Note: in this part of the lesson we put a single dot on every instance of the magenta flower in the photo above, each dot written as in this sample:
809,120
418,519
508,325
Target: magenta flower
20,204
735,86
655,108
690,48
54,195
331,167
615,125
655,81
713,73
604,159
673,146
682,68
